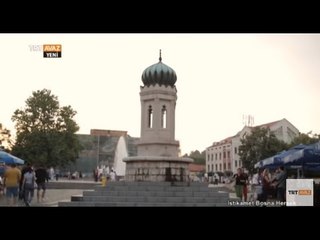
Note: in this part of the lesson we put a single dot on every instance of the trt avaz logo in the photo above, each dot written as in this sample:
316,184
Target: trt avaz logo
52,50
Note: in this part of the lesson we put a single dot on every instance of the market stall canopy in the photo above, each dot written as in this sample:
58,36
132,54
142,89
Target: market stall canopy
7,158
310,155
280,158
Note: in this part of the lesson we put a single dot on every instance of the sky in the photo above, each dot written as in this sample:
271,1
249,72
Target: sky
220,78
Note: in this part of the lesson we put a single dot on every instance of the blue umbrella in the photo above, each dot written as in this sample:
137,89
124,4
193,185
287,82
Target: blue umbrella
278,159
7,158
309,154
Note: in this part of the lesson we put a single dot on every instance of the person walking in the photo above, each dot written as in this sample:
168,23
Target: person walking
21,189
11,181
28,186
41,179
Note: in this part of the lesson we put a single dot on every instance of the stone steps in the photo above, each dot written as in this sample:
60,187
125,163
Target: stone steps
72,185
154,199
183,184
152,193
145,194
151,188
137,204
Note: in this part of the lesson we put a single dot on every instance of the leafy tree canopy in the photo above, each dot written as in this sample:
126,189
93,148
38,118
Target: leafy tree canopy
46,131
258,145
305,138
199,158
5,138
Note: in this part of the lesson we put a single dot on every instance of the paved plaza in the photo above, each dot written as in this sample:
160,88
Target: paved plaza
59,192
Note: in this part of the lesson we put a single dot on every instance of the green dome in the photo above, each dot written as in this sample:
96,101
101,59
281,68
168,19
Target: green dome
159,73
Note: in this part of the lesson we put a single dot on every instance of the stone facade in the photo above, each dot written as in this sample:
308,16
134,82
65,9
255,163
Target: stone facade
157,169
158,129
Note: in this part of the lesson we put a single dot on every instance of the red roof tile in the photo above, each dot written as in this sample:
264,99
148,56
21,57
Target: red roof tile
196,167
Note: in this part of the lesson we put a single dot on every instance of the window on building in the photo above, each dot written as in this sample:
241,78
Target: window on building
208,168
216,156
219,156
229,166
224,155
163,117
235,150
220,166
216,167
212,167
228,154
208,157
236,163
150,118
224,166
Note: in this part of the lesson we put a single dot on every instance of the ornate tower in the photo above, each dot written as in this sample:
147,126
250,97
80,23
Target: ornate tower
158,99
158,151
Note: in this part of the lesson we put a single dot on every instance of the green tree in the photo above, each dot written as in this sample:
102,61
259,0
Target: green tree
5,138
45,131
198,158
304,138
258,145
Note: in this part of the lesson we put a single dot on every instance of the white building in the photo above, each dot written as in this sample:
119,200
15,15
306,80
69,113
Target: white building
223,156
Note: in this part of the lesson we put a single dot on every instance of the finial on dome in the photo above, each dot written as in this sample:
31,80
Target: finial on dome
160,58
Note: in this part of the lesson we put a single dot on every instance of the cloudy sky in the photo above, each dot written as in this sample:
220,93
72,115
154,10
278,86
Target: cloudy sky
221,77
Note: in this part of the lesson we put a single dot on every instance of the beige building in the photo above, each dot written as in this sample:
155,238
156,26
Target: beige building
223,156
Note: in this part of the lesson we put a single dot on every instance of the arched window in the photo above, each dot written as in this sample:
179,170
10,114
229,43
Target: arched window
163,117
150,117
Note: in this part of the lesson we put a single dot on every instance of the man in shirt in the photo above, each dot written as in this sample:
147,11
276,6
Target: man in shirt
41,178
11,182
280,184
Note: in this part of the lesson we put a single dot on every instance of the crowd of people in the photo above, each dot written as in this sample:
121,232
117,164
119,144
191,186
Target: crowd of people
20,184
264,185
104,171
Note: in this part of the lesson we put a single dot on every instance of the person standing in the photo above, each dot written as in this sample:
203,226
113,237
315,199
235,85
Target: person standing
265,179
57,171
245,179
11,182
280,184
51,173
256,185
112,176
240,180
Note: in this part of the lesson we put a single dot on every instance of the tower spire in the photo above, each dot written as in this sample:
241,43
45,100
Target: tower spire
160,58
